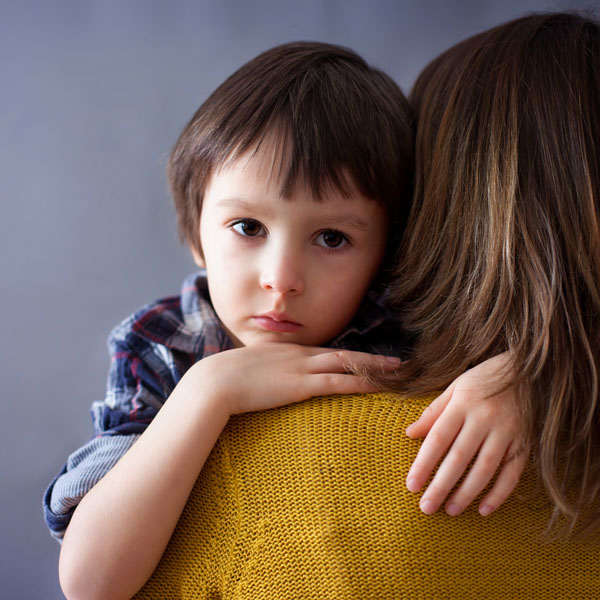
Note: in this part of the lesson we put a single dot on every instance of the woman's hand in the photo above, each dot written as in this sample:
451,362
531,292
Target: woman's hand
466,423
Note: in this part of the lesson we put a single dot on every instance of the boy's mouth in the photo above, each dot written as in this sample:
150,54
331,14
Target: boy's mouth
279,322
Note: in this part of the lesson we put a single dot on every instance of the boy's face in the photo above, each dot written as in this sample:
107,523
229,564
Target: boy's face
284,270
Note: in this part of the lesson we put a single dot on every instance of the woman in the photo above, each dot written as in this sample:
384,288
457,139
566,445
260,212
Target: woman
503,246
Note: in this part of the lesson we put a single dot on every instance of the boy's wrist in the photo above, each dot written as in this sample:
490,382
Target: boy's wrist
203,389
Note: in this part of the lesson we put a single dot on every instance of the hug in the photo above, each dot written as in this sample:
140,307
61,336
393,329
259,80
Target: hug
368,265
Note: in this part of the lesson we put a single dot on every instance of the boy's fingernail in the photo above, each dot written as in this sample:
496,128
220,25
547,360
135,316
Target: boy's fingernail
428,507
485,510
453,510
393,360
413,485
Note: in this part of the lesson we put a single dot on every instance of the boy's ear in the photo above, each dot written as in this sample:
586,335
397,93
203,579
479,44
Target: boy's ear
198,258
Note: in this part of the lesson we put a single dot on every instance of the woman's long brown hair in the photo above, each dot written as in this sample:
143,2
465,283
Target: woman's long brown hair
502,250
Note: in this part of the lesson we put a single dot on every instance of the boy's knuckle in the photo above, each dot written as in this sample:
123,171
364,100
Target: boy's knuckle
457,457
487,462
436,440
341,356
511,477
331,380
436,491
488,411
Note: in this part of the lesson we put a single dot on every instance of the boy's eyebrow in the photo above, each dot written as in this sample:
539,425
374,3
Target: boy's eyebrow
336,220
235,203
350,220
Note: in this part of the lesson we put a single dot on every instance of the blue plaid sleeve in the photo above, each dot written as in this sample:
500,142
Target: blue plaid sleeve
144,370
135,389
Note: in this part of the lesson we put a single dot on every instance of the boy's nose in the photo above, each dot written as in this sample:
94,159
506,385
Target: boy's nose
282,276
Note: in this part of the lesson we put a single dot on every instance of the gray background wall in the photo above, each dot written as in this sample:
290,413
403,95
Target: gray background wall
94,93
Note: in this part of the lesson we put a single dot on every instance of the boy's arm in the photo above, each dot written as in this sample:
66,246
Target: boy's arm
466,423
122,526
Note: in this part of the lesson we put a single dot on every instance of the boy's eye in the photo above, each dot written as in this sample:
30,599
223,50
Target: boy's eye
247,227
330,238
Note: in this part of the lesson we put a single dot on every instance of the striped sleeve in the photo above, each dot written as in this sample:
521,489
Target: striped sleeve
142,375
83,469
150,351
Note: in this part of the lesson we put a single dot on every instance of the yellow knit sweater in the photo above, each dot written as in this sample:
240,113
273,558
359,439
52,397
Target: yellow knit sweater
309,501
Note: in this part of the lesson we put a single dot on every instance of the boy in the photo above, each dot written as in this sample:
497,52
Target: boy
291,183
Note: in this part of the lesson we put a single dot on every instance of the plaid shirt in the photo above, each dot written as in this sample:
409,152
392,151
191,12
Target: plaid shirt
150,352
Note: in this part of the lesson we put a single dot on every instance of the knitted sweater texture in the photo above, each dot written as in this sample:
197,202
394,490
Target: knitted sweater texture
309,501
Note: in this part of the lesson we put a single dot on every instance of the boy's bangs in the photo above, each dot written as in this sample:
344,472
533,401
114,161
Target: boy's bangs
283,159
323,118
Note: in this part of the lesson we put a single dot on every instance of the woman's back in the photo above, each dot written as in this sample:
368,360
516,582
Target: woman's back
309,501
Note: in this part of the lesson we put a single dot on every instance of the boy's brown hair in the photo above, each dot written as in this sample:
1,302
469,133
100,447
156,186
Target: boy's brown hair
334,122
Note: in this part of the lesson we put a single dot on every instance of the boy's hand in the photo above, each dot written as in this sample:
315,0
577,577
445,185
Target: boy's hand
463,423
274,374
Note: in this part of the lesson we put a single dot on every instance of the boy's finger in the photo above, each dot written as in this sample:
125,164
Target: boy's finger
506,482
342,361
332,361
430,415
449,472
435,445
323,384
480,474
